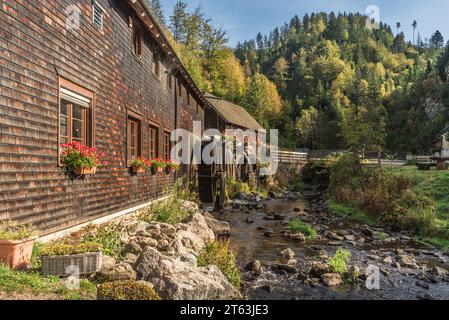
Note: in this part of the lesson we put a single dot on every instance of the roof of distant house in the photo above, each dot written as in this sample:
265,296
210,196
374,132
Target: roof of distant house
232,113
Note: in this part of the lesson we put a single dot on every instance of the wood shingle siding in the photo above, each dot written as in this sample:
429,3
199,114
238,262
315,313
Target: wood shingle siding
36,50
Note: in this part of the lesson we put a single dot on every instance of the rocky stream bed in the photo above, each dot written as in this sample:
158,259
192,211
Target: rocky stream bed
279,265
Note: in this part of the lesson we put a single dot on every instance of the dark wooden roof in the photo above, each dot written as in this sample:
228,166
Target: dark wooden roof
232,113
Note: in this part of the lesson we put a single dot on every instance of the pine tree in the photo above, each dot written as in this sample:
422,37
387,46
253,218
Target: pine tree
414,25
437,40
398,26
178,22
156,9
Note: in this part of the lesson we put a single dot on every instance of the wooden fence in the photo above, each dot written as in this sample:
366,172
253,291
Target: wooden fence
291,157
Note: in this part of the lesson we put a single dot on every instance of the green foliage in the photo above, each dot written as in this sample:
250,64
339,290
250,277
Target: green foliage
365,84
126,290
108,236
36,256
339,262
220,254
404,198
350,213
63,249
32,283
168,211
75,155
10,230
234,188
139,163
296,226
296,184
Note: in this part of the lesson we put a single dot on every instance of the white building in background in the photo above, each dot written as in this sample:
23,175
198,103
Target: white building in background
441,143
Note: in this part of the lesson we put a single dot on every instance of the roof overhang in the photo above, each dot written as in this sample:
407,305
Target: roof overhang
157,33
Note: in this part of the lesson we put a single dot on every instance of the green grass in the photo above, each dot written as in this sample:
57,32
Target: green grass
168,211
299,226
220,254
34,284
339,262
350,213
108,236
432,183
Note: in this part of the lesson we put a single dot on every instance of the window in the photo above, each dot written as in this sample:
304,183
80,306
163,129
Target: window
137,41
98,15
180,88
134,148
153,137
166,146
169,80
73,126
156,66
75,114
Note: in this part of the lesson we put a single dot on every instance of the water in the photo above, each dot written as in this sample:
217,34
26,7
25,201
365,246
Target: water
251,244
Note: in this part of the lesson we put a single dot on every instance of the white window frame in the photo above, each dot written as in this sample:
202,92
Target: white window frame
97,6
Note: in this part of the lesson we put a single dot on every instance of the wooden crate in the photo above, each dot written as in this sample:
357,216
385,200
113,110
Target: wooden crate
87,263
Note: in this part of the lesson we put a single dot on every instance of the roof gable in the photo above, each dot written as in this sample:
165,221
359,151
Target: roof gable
233,114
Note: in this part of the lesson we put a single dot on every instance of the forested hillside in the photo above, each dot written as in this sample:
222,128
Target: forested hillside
324,80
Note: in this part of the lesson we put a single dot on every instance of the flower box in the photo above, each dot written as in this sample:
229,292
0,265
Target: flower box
170,170
137,169
86,263
16,253
157,170
85,171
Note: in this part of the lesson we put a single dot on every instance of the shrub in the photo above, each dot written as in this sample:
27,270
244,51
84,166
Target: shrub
296,184
62,249
339,262
10,230
126,290
384,196
220,254
108,236
299,226
234,188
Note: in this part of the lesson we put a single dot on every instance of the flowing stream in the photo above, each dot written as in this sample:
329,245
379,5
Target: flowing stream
256,234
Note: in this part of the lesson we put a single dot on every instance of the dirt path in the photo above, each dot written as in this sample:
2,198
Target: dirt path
407,271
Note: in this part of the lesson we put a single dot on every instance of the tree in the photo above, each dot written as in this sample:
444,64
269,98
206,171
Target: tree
262,99
414,25
214,39
398,26
306,126
156,9
178,22
437,40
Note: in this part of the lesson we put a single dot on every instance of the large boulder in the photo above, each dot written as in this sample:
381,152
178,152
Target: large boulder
220,228
117,272
331,279
179,277
318,268
408,262
197,224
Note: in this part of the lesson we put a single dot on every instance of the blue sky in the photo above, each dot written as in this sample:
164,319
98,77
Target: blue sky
242,19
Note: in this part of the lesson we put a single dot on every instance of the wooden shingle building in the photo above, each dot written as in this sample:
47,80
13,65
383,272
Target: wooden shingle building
98,72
